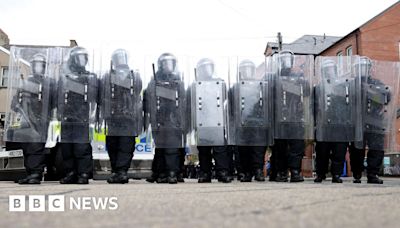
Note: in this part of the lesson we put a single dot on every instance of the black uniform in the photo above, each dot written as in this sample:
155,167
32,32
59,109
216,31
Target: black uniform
290,126
165,109
252,119
337,100
286,154
33,103
334,151
209,121
77,98
121,109
372,138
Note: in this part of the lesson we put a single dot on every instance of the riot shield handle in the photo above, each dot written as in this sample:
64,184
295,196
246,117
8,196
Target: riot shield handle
218,99
40,92
154,70
132,84
301,94
284,98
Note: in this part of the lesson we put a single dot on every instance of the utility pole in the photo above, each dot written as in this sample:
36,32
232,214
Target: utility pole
280,41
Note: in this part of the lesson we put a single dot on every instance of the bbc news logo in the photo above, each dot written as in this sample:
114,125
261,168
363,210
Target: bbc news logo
57,203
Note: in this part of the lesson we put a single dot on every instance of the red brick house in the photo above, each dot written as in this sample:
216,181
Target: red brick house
378,38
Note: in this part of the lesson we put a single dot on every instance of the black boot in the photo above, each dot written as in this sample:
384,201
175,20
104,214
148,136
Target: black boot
281,177
204,178
357,178
240,176
259,175
336,179
70,178
295,176
180,178
120,177
33,178
152,178
247,177
162,178
223,177
83,178
319,178
374,179
172,179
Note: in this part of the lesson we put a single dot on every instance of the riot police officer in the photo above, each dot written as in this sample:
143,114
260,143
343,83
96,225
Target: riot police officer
338,102
166,111
376,98
77,102
29,115
252,120
121,110
293,115
209,115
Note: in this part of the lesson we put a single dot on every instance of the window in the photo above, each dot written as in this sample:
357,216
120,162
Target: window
2,119
349,51
4,76
340,60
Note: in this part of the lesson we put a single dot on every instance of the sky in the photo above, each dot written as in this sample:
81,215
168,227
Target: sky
183,27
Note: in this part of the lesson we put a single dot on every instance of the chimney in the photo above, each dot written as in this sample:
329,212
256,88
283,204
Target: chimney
73,43
279,41
315,41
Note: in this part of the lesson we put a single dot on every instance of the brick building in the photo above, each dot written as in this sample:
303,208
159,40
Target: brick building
378,38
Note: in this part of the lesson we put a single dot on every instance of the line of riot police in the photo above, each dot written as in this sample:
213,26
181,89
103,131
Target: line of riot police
228,109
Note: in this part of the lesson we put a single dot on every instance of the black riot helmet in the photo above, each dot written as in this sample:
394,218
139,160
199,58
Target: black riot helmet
205,69
363,67
38,64
247,70
119,58
286,60
166,63
78,59
329,68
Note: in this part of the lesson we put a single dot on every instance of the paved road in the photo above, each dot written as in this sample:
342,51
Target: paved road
267,204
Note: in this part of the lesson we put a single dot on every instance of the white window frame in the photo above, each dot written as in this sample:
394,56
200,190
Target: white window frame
349,48
339,54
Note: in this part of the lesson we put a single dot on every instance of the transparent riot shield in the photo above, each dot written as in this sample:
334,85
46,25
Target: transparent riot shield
77,95
29,95
380,82
209,103
251,102
338,100
293,96
166,113
395,141
121,109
